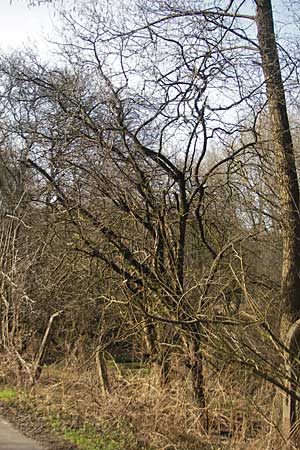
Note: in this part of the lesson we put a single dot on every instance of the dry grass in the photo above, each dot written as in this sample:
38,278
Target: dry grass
140,414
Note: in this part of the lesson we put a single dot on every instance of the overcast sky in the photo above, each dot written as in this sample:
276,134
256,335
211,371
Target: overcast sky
21,25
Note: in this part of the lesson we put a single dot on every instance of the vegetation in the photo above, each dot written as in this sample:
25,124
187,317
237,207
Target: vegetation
149,232
7,394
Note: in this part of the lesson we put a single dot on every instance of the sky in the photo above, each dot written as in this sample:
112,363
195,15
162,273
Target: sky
21,25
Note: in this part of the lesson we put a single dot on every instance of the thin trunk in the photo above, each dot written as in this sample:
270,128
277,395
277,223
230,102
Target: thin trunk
196,367
183,217
102,373
195,363
159,361
43,349
164,366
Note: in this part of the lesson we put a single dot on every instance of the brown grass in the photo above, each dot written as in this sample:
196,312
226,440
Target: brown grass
145,415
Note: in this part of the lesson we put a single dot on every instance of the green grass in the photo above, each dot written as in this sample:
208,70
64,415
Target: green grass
89,440
7,394
125,365
128,368
119,436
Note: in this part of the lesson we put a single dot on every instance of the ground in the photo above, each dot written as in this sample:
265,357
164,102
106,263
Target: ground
32,424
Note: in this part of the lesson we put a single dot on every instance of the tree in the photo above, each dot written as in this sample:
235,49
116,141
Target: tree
133,143
289,193
155,189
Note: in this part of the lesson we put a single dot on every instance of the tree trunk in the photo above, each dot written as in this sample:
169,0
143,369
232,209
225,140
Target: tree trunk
159,360
286,168
43,349
196,363
196,367
290,411
192,344
285,159
102,373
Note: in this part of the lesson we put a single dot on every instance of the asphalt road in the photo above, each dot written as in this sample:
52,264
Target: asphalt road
11,439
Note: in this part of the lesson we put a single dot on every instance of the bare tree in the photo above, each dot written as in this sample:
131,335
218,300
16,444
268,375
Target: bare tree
148,125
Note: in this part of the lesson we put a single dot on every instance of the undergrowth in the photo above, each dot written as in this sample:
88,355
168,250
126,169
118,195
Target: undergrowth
139,414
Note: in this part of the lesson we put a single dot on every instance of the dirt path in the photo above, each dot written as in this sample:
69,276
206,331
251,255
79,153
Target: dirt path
11,439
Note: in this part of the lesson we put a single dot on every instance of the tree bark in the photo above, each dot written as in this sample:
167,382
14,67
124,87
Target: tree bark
43,349
285,159
196,362
290,411
102,373
289,186
159,360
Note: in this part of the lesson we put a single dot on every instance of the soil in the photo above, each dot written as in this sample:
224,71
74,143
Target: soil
32,423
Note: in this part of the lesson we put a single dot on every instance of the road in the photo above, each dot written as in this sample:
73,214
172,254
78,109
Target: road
11,439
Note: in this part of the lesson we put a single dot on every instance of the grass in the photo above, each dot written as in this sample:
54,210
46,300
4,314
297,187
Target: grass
87,437
7,394
129,367
140,414
89,440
